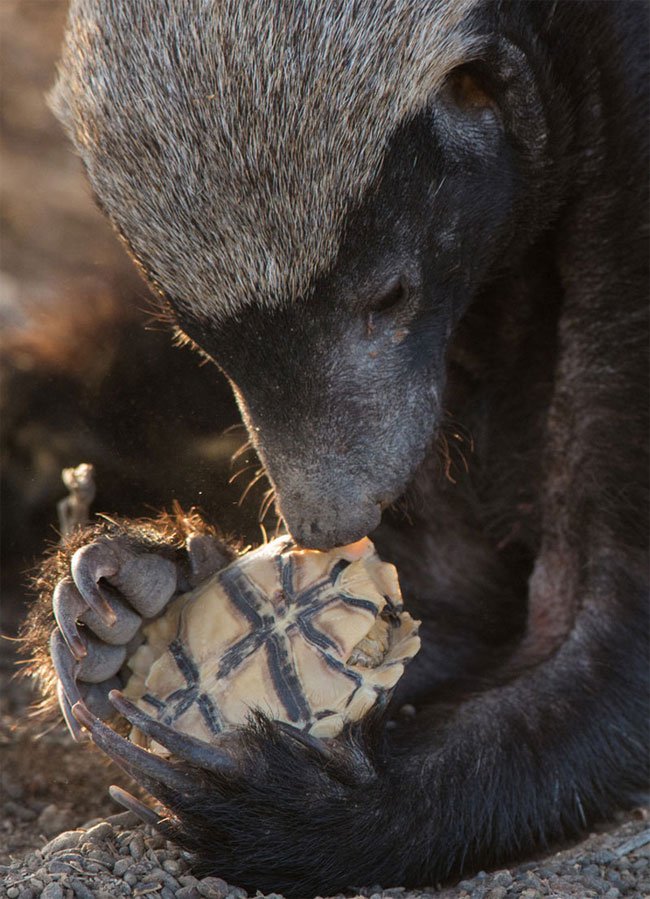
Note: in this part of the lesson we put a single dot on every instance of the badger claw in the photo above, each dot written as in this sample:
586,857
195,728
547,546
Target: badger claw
66,710
155,774
66,668
68,605
129,802
313,744
187,748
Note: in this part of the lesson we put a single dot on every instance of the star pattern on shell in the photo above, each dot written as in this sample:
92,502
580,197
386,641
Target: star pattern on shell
271,619
307,638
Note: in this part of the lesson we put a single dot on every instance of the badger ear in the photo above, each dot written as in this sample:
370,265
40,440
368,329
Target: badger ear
500,86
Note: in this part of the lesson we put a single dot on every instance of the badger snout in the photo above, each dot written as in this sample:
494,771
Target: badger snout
326,524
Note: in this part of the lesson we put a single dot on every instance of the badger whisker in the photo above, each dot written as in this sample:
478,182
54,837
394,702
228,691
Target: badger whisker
233,478
247,445
258,477
267,502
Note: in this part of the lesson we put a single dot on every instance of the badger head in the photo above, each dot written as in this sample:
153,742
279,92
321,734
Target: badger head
318,190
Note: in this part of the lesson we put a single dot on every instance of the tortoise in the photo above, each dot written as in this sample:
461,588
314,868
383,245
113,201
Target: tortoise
309,638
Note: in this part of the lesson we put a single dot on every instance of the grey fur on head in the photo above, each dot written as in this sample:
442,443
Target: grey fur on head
226,139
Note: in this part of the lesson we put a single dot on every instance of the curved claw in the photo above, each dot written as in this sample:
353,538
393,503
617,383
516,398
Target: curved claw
349,762
66,710
127,801
188,748
306,740
89,564
66,668
68,605
144,767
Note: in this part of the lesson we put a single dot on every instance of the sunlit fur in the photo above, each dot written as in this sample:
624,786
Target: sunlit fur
288,106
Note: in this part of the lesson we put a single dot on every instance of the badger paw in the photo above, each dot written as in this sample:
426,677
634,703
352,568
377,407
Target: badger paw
99,609
242,805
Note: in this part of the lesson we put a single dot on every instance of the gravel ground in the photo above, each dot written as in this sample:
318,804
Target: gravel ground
114,858
61,839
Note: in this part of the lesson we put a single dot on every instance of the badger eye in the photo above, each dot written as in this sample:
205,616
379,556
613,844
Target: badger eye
390,299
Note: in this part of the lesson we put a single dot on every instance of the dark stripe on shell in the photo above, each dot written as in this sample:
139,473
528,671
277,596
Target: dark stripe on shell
179,702
210,713
237,654
340,566
285,681
314,594
393,604
358,603
184,662
245,596
285,567
158,704
313,635
337,665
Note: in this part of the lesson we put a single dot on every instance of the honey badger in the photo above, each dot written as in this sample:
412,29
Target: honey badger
379,218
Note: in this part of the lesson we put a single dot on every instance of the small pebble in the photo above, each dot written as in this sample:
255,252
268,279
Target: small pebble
121,866
496,893
69,839
52,891
188,892
172,866
104,858
91,867
80,889
136,846
59,867
13,892
213,888
99,833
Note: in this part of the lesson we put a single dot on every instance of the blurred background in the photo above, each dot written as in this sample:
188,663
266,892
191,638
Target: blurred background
86,374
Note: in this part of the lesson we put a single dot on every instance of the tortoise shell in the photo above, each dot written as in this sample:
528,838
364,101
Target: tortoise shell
307,637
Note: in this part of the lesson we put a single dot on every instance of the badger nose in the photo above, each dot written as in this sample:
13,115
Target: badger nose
322,528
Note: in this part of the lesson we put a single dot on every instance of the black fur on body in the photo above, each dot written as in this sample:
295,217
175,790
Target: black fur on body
495,267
